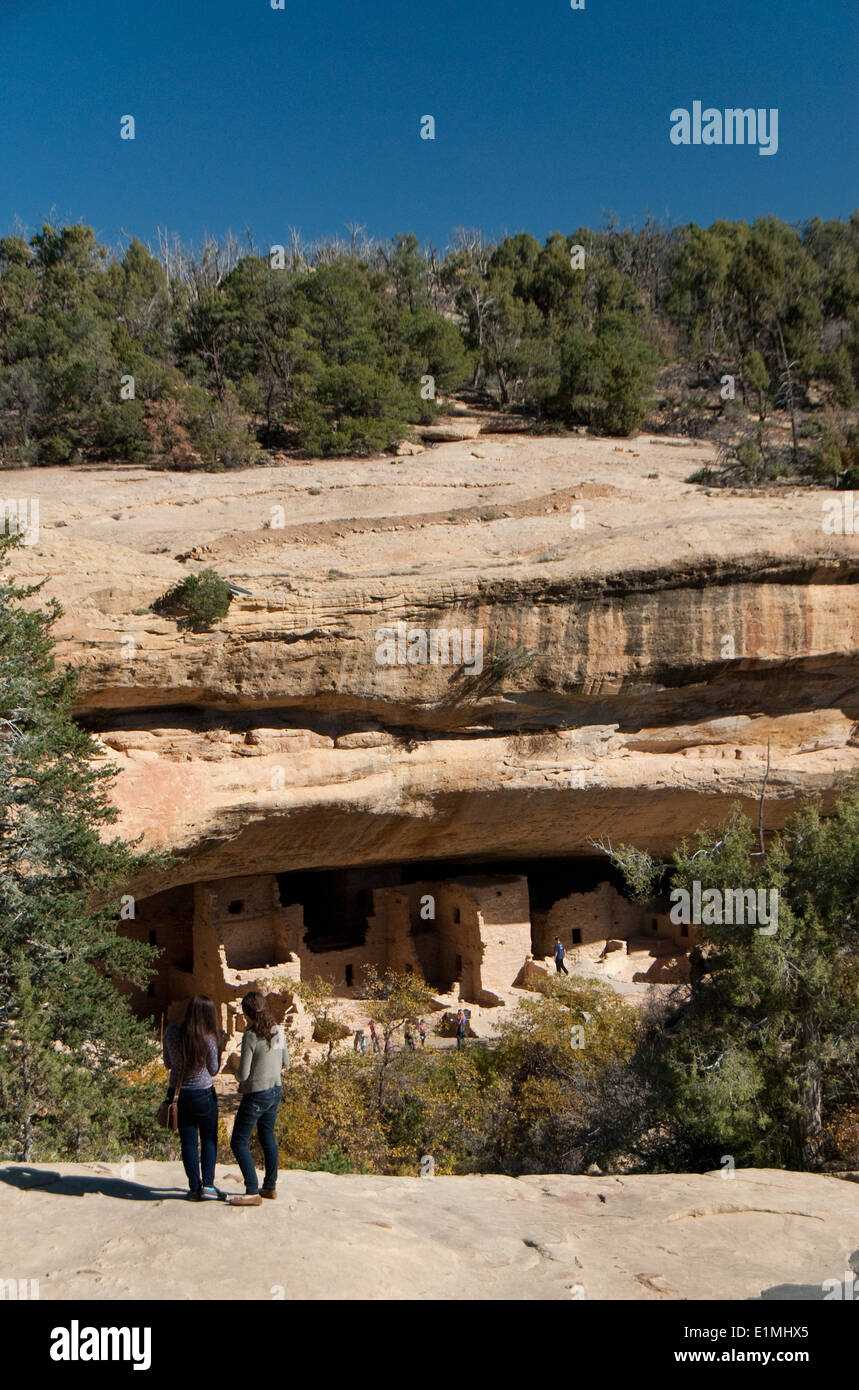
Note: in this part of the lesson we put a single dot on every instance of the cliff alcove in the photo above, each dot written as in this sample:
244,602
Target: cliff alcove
637,672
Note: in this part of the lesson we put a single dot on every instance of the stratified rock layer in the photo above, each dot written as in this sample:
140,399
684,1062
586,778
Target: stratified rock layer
646,644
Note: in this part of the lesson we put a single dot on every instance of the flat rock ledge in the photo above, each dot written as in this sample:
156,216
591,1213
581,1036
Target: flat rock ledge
101,1231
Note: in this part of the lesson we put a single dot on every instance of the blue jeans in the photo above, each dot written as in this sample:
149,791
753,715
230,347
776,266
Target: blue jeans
198,1114
258,1108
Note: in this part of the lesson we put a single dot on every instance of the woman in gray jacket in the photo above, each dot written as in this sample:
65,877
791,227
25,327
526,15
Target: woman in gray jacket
264,1056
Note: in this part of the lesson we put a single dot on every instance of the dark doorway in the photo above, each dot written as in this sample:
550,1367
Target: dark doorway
336,902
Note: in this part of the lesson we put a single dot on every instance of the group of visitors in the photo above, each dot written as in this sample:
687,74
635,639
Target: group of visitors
192,1051
411,1032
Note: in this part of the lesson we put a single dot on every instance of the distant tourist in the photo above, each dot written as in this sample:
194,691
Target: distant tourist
374,1037
358,1041
560,952
422,1029
264,1056
461,1030
192,1051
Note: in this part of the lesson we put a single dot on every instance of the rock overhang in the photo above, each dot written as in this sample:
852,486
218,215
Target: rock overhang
634,676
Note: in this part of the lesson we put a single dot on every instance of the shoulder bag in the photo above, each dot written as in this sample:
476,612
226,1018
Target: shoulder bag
168,1110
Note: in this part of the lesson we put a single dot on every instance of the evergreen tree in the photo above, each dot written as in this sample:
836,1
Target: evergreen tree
34,1077
61,956
765,1052
607,379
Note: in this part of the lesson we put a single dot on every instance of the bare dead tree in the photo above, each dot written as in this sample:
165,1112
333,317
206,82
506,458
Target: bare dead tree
763,795
297,252
471,242
355,229
786,391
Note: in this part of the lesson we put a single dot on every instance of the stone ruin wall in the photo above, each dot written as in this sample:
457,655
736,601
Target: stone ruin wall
602,923
505,931
225,936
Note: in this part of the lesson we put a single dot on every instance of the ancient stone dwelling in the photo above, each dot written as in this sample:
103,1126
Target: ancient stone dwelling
474,937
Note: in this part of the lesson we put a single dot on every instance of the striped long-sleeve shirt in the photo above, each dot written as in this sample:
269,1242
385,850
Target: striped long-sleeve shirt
193,1080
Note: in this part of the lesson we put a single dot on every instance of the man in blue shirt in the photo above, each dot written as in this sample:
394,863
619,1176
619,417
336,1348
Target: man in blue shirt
559,957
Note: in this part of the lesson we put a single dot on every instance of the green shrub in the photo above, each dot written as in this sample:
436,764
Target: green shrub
198,601
334,1160
607,379
837,371
218,430
120,432
54,450
834,458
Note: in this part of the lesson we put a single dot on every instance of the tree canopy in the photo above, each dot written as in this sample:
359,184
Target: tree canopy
209,358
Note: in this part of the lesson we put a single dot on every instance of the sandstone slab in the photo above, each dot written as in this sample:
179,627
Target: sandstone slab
86,1232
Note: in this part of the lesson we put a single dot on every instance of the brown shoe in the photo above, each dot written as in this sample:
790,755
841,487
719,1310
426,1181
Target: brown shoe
249,1200
269,1192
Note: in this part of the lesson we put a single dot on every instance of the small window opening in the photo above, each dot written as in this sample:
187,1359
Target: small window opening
235,907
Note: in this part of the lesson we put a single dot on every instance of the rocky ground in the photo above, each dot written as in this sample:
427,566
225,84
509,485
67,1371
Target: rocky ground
98,1231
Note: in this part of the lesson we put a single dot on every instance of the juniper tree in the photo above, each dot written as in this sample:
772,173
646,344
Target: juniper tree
61,957
764,1054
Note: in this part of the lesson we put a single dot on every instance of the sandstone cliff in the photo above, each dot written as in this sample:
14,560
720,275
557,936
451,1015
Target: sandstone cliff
644,642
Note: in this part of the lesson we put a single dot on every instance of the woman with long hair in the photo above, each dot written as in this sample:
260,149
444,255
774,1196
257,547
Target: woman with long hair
264,1056
192,1051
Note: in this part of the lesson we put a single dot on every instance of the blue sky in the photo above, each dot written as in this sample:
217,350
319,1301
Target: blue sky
309,117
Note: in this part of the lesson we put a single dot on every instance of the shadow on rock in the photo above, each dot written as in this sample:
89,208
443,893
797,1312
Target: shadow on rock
82,1185
818,1293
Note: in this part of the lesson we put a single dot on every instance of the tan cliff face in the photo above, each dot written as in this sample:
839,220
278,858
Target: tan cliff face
642,643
